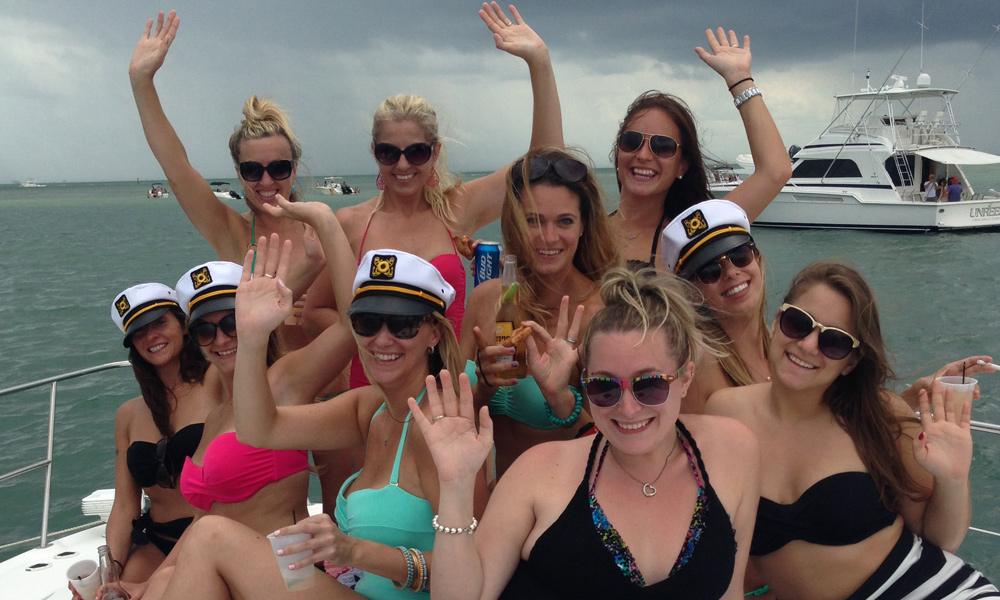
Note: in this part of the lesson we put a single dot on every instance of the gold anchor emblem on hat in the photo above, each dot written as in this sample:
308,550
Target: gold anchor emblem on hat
201,277
383,267
122,305
695,223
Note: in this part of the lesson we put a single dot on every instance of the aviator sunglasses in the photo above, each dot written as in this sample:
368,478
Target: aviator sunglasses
402,327
416,154
740,257
164,478
797,324
663,146
278,170
204,332
648,390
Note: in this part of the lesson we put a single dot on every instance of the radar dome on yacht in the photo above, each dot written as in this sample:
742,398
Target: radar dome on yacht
924,80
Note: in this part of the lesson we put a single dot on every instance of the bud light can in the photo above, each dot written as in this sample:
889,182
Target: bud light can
487,262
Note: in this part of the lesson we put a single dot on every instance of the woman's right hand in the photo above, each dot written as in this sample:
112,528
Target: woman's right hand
514,37
457,448
487,355
263,301
552,366
152,48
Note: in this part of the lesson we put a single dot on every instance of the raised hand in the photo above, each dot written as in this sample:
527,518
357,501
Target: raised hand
727,58
457,448
944,448
513,36
310,213
153,45
553,366
327,543
262,299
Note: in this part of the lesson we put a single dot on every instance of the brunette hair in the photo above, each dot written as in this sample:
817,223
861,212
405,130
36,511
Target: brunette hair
193,365
596,251
693,187
262,119
859,400
407,107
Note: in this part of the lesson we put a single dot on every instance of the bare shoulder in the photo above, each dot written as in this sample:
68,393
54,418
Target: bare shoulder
550,464
130,410
898,406
737,402
721,433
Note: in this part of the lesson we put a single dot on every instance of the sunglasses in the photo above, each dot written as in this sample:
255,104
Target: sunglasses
278,170
663,146
204,332
648,390
797,324
569,170
402,327
741,256
416,154
164,478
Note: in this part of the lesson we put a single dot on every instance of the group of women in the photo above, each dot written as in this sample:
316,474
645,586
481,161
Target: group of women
639,495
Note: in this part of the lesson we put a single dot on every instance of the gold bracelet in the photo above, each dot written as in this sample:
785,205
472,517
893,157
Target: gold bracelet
421,569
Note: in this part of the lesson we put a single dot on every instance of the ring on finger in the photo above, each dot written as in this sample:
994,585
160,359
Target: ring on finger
268,275
509,23
572,340
437,418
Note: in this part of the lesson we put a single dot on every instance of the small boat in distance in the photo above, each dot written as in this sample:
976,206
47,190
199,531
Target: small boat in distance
222,191
31,183
868,168
334,186
157,190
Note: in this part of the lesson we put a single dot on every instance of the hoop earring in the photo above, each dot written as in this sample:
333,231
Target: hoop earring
430,349
380,183
433,180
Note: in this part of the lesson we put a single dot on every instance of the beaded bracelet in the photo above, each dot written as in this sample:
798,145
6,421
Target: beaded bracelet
423,575
409,569
573,416
442,529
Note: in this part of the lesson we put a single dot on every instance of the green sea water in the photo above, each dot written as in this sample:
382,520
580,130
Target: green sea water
67,249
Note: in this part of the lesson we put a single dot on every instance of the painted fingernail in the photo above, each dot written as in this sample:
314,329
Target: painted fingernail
511,350
921,436
280,552
291,567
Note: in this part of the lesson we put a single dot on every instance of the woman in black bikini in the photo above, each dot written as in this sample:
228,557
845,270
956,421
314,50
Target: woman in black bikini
852,477
629,513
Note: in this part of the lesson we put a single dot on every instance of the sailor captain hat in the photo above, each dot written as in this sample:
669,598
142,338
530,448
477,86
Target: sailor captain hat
139,306
393,282
702,233
209,287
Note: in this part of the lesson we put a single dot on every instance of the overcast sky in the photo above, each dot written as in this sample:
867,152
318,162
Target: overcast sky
66,108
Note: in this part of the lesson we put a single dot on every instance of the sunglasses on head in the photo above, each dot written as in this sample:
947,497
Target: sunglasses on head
797,324
568,170
416,154
204,332
278,170
663,146
402,327
648,390
164,478
741,256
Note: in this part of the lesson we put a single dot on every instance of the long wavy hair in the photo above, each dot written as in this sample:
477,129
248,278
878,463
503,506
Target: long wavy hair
263,118
693,187
859,400
193,365
407,107
596,253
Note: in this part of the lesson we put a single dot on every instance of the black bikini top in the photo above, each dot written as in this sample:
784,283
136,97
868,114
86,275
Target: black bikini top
838,510
144,463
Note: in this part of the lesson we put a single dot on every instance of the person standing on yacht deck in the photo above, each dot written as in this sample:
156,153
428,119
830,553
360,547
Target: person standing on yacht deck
954,190
931,188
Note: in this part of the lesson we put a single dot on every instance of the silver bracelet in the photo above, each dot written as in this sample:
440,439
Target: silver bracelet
442,529
746,95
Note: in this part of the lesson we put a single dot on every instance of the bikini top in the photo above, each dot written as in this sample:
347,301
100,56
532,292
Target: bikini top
233,472
844,508
144,465
388,515
522,402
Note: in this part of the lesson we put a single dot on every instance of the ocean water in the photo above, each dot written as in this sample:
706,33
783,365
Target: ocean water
67,249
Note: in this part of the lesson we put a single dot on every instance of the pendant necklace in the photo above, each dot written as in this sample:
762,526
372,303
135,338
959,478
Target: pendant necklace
648,489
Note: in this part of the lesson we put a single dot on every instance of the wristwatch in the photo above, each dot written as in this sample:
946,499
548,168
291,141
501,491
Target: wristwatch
746,95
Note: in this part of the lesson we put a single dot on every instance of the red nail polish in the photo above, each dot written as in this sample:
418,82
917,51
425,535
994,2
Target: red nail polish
921,436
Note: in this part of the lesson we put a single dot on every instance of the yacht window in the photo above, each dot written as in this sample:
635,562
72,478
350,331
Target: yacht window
815,169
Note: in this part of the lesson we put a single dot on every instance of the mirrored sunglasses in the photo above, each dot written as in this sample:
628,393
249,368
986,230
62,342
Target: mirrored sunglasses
648,390
740,257
204,332
278,170
403,327
416,154
663,146
834,343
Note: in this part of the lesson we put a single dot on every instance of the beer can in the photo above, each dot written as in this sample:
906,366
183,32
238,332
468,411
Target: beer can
487,262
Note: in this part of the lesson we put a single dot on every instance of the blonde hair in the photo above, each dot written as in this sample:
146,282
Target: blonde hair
596,253
407,107
262,119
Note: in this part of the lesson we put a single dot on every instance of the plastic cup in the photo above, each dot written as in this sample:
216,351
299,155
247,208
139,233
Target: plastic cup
296,317
85,578
298,579
962,391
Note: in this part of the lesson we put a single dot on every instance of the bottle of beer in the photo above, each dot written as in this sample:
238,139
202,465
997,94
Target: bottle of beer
111,587
509,318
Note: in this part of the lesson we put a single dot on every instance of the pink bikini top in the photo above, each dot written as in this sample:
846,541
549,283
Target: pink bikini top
232,471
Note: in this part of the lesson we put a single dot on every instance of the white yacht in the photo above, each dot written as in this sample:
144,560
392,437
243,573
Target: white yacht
31,183
867,169
223,192
334,186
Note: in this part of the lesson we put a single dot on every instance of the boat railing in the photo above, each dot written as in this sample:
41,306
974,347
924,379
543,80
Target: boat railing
52,382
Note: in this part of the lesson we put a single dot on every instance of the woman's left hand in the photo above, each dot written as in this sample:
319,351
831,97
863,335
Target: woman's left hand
512,36
553,367
727,58
944,448
327,543
262,299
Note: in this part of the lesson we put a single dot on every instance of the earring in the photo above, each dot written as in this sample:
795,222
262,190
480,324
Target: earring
430,349
293,192
681,176
379,182
433,180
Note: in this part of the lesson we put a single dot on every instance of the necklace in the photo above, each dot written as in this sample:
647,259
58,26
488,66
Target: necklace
648,489
621,216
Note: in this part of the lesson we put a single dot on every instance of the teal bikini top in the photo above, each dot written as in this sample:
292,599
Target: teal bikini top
522,402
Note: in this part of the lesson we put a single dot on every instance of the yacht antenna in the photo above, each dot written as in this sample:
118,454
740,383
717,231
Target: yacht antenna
854,58
996,29
923,27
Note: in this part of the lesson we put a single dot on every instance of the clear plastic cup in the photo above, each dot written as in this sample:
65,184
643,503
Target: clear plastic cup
962,391
85,578
298,579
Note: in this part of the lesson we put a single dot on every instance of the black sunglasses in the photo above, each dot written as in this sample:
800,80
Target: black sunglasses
164,478
569,170
741,256
648,390
416,154
403,327
204,332
663,146
797,324
278,170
